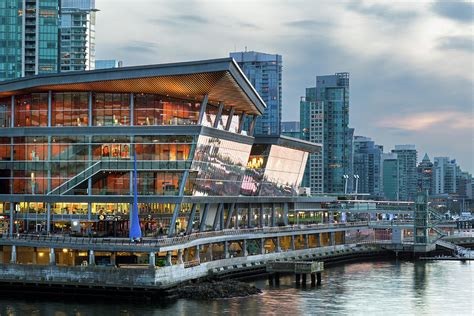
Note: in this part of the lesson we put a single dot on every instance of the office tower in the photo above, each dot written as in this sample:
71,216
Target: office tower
390,176
108,63
407,159
29,37
264,71
425,175
77,33
444,175
291,129
368,166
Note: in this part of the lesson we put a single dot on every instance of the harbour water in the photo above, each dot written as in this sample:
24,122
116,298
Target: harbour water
367,288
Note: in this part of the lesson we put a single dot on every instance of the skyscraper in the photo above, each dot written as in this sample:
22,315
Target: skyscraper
368,165
29,38
390,176
407,159
77,30
425,175
444,175
264,71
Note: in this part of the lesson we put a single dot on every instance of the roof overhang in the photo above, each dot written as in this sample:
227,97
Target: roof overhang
221,79
288,142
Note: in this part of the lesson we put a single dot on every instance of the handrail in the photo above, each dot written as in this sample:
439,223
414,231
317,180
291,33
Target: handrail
165,241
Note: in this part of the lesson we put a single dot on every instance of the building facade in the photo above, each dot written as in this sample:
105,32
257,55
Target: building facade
444,175
425,175
391,176
77,35
368,166
264,71
324,115
291,129
70,143
408,180
108,63
29,43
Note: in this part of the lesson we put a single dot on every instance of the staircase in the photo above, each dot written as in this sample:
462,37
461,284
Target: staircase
77,179
459,252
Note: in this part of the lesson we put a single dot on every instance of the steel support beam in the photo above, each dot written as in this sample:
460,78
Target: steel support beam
252,125
202,224
177,206
285,213
260,216
219,115
273,222
229,119
241,123
189,228
229,215
202,111
218,217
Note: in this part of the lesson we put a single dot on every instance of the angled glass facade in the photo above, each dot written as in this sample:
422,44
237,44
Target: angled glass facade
11,17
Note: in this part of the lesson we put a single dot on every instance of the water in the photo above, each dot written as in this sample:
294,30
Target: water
370,288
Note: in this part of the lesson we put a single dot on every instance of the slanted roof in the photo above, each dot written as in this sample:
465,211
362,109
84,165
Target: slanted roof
290,142
221,79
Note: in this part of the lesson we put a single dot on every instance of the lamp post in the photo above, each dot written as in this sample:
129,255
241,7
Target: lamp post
346,178
356,177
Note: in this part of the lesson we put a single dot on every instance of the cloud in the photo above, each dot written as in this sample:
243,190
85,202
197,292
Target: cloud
139,47
180,20
382,11
459,11
248,25
465,43
429,120
307,24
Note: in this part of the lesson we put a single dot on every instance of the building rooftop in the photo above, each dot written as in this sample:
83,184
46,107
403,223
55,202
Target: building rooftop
221,79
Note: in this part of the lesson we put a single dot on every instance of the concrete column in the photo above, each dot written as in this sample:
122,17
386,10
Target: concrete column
260,216
152,260
333,240
306,241
33,256
249,216
262,246
285,213
236,217
113,257
13,255
331,217
180,256
244,246
91,258
196,254
318,240
52,257
48,217
209,250
292,245
168,258
226,250
273,222
277,245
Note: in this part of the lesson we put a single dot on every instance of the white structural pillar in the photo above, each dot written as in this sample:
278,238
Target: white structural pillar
244,248
91,258
226,250
180,256
152,261
52,257
168,258
13,255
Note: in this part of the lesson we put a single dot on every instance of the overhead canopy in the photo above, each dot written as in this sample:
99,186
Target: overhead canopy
221,79
289,142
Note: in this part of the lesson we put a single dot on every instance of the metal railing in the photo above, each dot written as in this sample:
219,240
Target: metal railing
165,241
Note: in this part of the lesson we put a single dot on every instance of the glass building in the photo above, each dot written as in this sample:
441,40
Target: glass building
368,166
425,175
291,129
29,38
408,180
391,176
324,117
77,32
108,63
68,143
264,71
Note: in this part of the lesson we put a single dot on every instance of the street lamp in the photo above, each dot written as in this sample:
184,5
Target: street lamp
356,177
346,178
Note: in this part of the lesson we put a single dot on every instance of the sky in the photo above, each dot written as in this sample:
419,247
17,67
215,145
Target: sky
411,63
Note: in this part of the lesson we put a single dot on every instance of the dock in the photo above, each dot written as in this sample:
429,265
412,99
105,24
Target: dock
300,268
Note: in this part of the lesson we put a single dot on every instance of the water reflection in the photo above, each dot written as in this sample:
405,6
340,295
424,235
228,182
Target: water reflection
433,288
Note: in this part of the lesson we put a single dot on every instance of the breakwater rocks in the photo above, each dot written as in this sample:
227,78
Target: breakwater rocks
216,289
